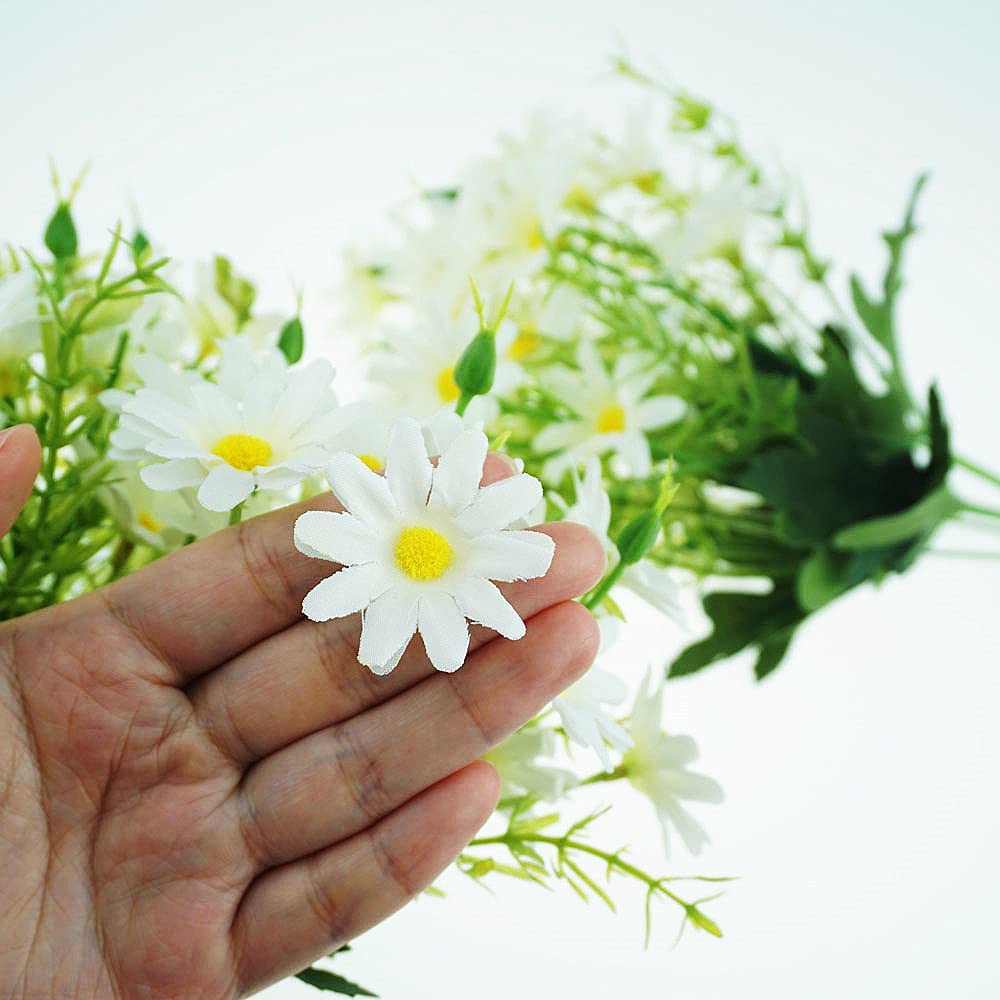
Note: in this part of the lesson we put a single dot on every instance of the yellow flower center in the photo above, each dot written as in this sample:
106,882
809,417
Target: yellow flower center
580,199
372,462
526,342
446,387
531,235
611,419
423,553
243,451
648,182
149,523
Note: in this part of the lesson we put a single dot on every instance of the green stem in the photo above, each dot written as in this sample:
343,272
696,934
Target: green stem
594,598
616,775
236,514
565,844
974,508
977,470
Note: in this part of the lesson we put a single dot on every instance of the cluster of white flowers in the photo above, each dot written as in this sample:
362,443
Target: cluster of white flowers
582,415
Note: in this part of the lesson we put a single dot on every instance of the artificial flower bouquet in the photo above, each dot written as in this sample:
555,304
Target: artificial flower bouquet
639,320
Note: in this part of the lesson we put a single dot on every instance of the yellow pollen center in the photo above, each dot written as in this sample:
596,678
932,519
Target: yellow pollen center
648,182
243,451
611,419
149,523
446,387
423,553
371,461
525,343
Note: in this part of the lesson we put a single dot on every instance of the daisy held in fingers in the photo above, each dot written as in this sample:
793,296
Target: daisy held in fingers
421,547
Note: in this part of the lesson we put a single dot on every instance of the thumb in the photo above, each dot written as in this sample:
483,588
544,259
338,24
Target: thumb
20,459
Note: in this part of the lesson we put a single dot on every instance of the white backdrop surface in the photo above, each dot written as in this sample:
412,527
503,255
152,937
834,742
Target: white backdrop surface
863,813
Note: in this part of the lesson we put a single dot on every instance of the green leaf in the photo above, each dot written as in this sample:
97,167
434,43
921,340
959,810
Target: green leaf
741,620
60,233
878,315
323,979
291,340
238,292
924,516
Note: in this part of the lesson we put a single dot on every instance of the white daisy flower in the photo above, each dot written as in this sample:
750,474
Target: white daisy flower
261,425
656,585
524,763
581,706
20,325
421,547
612,411
657,765
416,369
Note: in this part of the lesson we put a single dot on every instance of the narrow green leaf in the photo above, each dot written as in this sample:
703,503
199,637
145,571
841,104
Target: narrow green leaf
323,979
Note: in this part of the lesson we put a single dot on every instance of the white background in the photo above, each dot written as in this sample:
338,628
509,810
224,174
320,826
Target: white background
862,779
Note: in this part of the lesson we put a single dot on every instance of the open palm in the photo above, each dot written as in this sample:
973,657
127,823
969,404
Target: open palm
200,792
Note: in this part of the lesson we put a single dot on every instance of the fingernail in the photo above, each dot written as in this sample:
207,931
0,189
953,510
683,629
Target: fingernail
5,434
514,464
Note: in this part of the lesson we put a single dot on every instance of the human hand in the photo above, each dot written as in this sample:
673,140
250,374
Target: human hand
201,792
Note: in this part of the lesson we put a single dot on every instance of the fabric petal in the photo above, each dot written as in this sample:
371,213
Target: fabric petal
177,448
460,470
346,592
500,503
407,467
387,627
482,602
364,493
173,475
224,487
444,630
658,411
554,437
510,555
342,538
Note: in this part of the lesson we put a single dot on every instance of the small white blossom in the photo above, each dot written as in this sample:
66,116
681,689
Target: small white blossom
658,766
20,324
261,425
613,412
656,585
524,763
421,546
415,370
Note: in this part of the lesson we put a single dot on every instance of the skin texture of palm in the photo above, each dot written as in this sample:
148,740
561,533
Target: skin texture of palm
201,792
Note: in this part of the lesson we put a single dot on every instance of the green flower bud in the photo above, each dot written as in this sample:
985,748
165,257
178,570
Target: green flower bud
701,921
291,340
640,534
477,367
140,246
60,233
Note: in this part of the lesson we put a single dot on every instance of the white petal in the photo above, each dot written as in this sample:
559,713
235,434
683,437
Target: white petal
554,437
482,602
173,475
177,448
510,555
364,493
691,831
342,538
387,627
224,487
345,592
407,467
460,470
279,477
500,503
444,630
658,411
696,787
633,447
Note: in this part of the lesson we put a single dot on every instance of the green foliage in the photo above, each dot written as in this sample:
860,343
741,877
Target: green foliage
291,340
331,982
60,233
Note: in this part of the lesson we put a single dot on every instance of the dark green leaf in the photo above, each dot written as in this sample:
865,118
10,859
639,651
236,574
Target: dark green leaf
741,620
323,979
